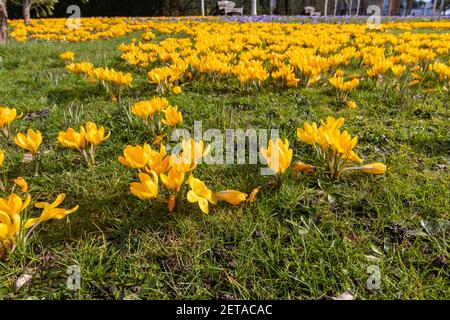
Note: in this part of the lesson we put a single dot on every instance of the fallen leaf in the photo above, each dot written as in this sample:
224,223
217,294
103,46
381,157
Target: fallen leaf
22,280
347,295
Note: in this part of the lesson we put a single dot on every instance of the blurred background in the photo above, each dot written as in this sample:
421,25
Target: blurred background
263,7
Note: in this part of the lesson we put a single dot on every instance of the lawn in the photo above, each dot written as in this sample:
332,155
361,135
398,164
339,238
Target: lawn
308,237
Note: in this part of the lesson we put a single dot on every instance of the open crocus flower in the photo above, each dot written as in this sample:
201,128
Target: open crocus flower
191,155
233,197
67,56
308,134
143,110
147,188
30,142
72,138
200,193
158,161
278,155
158,104
50,211
172,116
95,135
7,116
14,205
173,180
135,157
374,168
9,228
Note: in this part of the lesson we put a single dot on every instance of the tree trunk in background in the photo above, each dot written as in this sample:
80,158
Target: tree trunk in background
279,7
273,6
26,9
3,21
202,5
254,6
335,7
441,8
358,6
350,8
394,7
409,6
325,8
434,9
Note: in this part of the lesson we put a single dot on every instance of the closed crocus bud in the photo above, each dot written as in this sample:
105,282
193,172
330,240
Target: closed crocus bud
171,203
177,90
351,104
21,183
373,168
2,157
233,197
303,167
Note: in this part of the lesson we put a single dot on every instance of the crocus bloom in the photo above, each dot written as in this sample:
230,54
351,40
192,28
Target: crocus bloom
233,197
30,142
72,138
158,161
2,157
7,116
252,197
135,156
21,183
50,211
67,56
95,135
147,188
14,205
200,193
308,134
171,203
142,109
177,90
351,104
278,155
303,167
173,180
173,116
374,168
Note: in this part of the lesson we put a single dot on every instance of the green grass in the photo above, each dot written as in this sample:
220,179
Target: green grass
311,238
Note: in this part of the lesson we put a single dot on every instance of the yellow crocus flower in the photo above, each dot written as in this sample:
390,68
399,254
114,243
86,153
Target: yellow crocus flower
21,183
303,167
72,139
30,142
374,168
50,211
174,179
147,188
278,155
14,205
200,193
233,197
172,116
67,56
7,115
95,135
135,156
308,134
158,161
